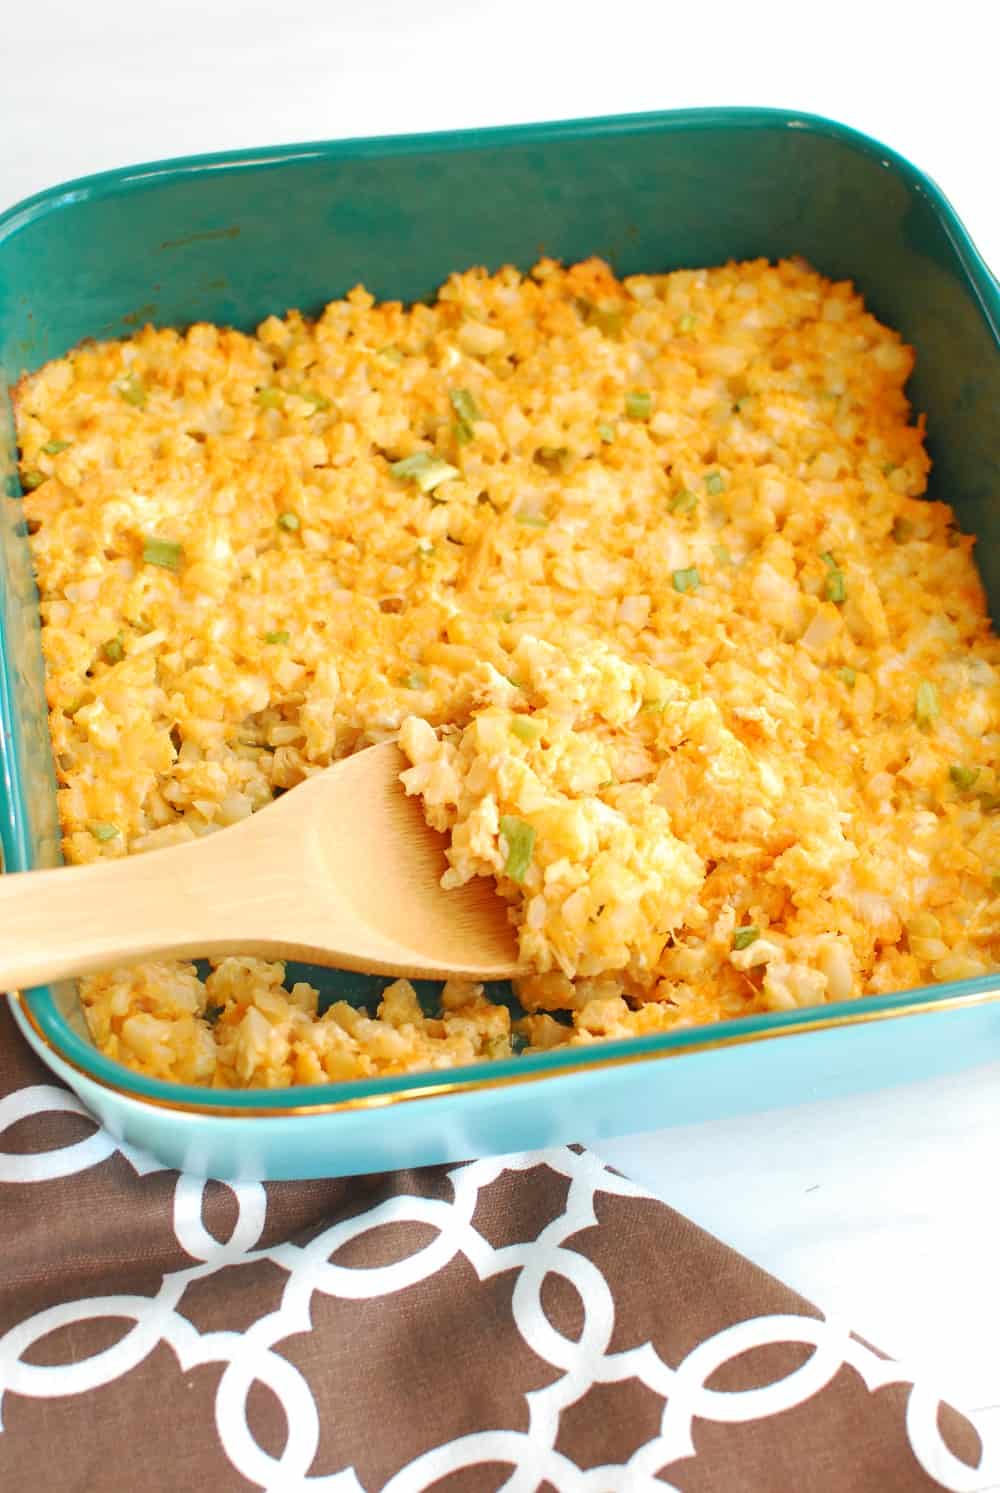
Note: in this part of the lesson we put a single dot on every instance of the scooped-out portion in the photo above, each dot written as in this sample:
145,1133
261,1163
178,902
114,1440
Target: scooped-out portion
640,572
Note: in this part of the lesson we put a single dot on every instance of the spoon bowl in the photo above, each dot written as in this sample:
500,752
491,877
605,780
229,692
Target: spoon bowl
342,870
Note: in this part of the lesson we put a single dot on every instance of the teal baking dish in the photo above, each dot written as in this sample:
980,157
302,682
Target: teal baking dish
231,238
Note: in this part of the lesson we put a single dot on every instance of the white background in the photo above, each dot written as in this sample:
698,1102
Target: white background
883,1208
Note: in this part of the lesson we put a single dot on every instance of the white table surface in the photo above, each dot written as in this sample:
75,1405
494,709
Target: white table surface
883,1209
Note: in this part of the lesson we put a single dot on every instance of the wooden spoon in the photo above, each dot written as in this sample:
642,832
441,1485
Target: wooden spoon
341,871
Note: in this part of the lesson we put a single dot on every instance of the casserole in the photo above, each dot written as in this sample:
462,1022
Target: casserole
212,239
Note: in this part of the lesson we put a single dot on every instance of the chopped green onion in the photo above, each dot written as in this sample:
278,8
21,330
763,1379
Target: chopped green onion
927,707
889,468
162,552
53,448
133,391
415,681
686,324
744,937
391,353
425,470
721,553
653,706
281,636
525,728
963,777
551,457
463,433
533,520
714,484
836,586
425,548
989,802
686,580
113,649
269,399
606,432
501,614
102,831
685,501
31,479
435,473
848,676
607,317
903,529
520,839
290,522
638,404
318,401
464,405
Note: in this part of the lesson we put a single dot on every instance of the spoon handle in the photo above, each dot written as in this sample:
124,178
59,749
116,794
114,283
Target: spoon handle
73,920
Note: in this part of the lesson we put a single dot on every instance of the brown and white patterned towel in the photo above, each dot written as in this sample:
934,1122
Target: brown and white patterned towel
529,1323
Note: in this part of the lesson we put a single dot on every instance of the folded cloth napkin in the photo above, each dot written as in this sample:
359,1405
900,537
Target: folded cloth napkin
532,1322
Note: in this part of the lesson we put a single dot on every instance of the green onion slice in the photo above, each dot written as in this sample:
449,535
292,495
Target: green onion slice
927,707
848,676
113,650
744,937
133,391
685,501
638,404
163,552
281,636
963,777
714,484
686,580
53,448
836,585
425,470
525,728
319,402
606,432
290,522
464,405
520,838
607,317
102,831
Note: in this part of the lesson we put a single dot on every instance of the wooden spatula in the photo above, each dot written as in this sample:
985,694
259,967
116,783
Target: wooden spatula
340,871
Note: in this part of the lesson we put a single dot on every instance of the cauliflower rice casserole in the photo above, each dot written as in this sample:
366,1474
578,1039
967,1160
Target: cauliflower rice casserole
640,573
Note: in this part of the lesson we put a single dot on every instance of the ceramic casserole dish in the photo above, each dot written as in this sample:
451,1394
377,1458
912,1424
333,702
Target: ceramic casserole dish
231,238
